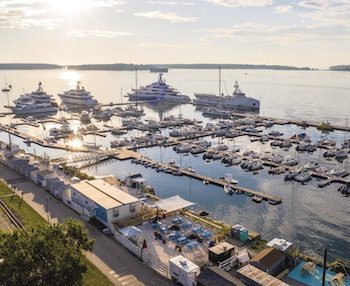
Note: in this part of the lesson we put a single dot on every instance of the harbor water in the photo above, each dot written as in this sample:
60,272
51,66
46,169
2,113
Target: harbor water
309,216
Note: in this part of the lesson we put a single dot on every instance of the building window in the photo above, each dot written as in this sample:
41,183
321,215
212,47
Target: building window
132,208
115,212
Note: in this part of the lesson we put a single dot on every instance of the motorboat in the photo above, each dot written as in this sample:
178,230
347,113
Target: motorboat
78,97
85,117
119,143
303,177
341,154
255,166
183,148
289,161
291,175
158,91
310,166
221,147
275,133
228,190
285,144
264,138
229,179
277,158
325,142
329,153
338,171
257,198
216,112
198,150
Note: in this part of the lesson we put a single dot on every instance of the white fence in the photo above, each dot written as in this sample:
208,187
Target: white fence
143,254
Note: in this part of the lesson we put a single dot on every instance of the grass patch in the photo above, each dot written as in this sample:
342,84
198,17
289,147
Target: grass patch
32,220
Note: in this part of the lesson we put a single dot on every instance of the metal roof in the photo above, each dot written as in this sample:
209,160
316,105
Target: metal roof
104,194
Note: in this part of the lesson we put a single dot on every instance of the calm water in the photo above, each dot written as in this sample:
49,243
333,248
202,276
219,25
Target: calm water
309,216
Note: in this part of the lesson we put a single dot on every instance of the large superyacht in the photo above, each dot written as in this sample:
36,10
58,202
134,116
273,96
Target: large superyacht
158,91
78,97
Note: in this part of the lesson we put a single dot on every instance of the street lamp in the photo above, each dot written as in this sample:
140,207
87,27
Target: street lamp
47,208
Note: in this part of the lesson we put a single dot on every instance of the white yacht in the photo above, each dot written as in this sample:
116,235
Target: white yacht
33,108
158,91
78,97
35,102
238,101
39,96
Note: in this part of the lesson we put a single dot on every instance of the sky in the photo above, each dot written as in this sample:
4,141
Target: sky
314,33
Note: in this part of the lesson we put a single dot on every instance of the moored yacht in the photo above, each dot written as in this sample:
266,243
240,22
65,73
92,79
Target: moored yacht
158,91
35,102
78,97
238,101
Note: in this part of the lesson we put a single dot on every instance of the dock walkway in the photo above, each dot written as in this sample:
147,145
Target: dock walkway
128,154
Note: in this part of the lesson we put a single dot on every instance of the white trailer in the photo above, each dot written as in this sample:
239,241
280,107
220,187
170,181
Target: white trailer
183,270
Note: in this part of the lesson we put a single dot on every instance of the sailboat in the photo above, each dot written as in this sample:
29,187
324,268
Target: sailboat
7,87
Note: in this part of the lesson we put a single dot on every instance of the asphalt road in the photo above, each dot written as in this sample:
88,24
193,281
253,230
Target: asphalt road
116,262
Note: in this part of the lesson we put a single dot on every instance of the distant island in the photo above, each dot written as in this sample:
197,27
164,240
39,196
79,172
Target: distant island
340,68
130,67
21,66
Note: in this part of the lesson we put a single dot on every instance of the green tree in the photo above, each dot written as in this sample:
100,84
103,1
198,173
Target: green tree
49,256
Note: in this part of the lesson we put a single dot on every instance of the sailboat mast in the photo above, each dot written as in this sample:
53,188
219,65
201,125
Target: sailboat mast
136,83
219,81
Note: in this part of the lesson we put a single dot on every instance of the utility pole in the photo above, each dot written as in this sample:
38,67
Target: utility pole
324,267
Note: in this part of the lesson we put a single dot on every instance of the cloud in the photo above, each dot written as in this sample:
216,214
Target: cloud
327,11
265,34
167,16
283,9
103,3
243,3
162,45
76,33
171,3
25,14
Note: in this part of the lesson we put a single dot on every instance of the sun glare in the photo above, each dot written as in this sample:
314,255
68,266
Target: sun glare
71,77
71,5
75,143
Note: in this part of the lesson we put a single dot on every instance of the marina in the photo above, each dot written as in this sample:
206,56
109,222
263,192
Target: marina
268,145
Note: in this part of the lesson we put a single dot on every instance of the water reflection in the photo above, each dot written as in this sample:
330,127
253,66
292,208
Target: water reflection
70,77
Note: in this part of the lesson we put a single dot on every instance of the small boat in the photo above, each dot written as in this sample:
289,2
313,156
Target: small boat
228,178
338,172
277,158
273,202
303,177
205,182
311,166
257,198
341,154
28,140
289,161
228,190
168,171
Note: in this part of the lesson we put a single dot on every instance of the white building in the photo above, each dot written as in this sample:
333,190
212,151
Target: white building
106,202
184,271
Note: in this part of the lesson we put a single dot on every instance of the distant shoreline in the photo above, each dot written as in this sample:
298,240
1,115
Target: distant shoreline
132,67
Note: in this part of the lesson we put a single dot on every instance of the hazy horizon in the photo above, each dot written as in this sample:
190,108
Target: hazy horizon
300,33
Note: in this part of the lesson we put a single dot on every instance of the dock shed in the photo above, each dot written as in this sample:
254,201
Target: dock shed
106,202
270,260
221,252
214,276
253,276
